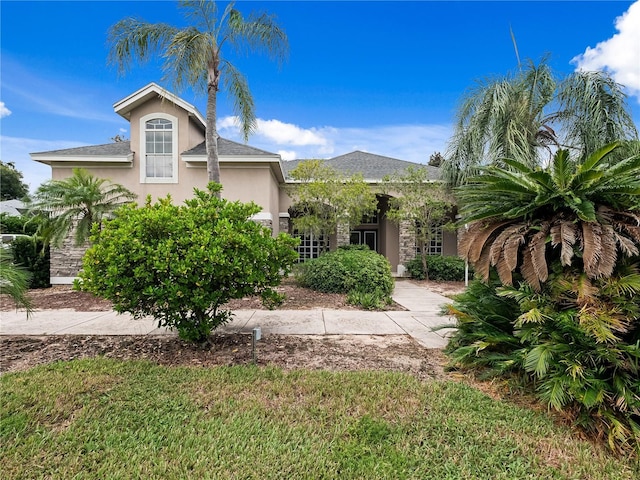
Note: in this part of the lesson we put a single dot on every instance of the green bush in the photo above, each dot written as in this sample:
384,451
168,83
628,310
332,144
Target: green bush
181,263
33,255
577,343
441,269
23,225
354,271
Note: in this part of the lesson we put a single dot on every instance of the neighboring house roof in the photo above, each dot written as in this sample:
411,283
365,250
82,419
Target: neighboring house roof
373,167
126,105
13,208
228,148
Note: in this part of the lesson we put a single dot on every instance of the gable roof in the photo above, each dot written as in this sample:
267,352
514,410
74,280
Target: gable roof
153,90
372,167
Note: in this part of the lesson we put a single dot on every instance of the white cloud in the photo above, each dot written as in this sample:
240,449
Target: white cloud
277,132
4,111
620,54
414,143
287,154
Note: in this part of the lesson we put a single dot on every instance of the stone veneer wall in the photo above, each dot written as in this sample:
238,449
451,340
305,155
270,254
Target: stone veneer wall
342,235
407,244
284,224
66,261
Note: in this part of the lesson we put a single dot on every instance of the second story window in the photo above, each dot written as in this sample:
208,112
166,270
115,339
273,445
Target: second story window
159,148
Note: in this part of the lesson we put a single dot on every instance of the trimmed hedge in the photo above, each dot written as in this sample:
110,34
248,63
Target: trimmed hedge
361,273
441,269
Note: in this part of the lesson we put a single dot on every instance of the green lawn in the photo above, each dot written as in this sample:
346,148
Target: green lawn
108,419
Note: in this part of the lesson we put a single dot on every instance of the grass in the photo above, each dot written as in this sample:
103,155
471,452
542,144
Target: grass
109,419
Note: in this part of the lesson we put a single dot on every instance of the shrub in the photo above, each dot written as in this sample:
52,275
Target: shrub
441,269
23,225
577,342
181,263
31,254
354,271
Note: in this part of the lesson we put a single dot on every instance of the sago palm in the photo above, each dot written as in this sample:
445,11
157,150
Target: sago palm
520,217
193,56
76,203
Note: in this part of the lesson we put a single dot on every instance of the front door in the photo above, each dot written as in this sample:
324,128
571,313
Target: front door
365,237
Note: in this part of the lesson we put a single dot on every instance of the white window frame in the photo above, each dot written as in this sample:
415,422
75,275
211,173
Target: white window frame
143,148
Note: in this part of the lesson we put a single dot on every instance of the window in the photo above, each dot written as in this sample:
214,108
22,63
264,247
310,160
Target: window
159,151
159,158
435,245
311,246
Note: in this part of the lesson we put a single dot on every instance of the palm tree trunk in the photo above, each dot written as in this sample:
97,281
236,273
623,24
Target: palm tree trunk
211,135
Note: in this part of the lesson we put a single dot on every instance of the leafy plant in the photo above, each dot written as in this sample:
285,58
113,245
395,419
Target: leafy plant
588,210
422,204
564,241
441,268
325,200
180,264
32,254
363,274
14,281
75,204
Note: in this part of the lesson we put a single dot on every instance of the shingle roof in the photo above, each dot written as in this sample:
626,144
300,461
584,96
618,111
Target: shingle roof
228,147
109,149
372,166
225,147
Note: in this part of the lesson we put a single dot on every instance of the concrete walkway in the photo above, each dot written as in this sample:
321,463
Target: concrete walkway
421,316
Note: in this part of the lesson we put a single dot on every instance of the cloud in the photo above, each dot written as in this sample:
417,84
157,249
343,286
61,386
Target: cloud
4,111
412,142
620,55
277,132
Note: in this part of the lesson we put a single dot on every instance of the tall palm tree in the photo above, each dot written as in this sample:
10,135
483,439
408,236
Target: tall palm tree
79,202
528,115
525,219
193,56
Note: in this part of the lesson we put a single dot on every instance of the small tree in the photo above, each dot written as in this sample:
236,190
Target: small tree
180,264
324,199
11,184
425,205
79,202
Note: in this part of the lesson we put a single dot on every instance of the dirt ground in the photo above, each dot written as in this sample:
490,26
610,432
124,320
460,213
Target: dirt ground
340,352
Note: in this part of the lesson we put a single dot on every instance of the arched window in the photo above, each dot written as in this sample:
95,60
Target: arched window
159,156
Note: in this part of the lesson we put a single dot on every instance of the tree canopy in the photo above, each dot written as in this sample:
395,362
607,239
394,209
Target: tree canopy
527,115
11,185
324,199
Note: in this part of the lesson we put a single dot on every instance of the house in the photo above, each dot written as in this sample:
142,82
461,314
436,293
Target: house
166,154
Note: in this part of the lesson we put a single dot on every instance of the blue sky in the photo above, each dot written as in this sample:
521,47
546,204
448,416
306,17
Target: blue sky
383,77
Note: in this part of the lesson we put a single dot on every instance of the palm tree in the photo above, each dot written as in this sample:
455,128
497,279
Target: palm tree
524,218
193,56
528,115
79,201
